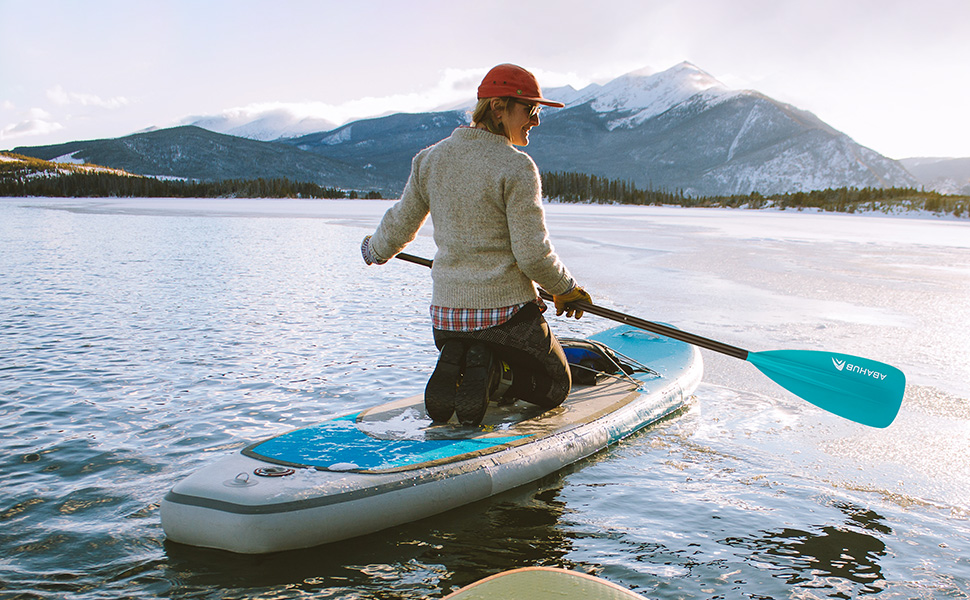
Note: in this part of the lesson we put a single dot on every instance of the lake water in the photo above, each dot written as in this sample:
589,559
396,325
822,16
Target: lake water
142,339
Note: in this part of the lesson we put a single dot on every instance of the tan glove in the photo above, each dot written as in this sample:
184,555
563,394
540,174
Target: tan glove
577,293
368,254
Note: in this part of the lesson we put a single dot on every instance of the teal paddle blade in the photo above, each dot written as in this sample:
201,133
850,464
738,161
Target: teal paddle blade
859,389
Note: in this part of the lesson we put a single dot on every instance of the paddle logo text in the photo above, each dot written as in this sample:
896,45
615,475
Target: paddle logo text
843,366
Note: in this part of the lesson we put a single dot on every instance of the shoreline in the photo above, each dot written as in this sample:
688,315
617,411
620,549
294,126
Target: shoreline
169,203
755,224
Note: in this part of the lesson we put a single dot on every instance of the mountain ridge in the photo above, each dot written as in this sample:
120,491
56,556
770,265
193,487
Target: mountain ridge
944,175
679,129
191,152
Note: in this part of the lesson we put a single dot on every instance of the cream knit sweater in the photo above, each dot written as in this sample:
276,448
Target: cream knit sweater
484,199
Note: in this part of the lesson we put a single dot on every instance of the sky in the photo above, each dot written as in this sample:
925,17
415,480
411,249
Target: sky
892,74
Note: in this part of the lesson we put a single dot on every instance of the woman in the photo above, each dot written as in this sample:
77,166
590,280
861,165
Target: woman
484,198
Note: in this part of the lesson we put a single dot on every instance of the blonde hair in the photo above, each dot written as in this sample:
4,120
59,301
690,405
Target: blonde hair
484,115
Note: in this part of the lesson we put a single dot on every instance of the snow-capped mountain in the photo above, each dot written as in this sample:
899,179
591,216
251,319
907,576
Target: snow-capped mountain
638,92
642,95
681,129
265,125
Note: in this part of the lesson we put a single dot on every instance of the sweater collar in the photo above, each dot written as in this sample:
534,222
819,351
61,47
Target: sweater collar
472,133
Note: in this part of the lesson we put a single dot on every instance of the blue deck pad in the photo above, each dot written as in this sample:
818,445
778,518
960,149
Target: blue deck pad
339,445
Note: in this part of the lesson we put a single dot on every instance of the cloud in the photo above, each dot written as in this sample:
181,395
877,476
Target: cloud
39,122
454,88
59,95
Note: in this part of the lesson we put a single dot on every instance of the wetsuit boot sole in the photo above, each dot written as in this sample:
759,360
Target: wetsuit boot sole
442,387
478,382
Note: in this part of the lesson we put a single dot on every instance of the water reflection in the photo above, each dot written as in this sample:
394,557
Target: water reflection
825,558
427,558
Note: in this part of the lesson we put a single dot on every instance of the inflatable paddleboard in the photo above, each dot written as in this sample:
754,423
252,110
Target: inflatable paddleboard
389,465
543,583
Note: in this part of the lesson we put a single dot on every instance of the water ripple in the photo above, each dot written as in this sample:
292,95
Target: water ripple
135,348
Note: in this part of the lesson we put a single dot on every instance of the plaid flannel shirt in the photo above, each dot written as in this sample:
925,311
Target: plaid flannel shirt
473,319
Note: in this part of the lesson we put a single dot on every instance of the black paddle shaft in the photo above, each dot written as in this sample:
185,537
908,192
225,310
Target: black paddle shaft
606,313
658,328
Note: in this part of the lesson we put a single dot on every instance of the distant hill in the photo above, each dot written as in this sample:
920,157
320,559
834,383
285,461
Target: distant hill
944,175
31,176
194,153
384,145
22,166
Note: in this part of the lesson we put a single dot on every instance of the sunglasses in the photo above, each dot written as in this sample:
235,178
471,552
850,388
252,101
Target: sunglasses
532,109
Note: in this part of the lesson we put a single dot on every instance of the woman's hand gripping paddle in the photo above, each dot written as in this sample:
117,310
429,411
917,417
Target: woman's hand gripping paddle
859,389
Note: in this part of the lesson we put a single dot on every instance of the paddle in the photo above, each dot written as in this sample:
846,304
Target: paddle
859,389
